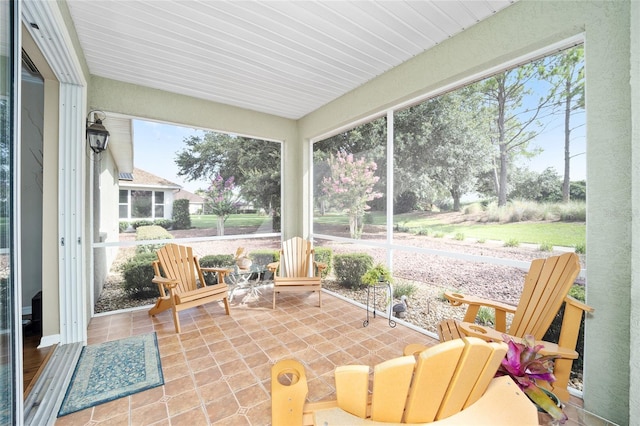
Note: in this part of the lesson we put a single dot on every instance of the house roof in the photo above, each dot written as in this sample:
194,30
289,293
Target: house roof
193,198
285,58
142,178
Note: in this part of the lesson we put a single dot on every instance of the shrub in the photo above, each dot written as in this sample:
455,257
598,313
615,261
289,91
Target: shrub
580,248
553,333
485,316
401,227
181,217
138,276
438,235
545,246
350,267
574,211
423,231
512,242
142,222
459,236
263,257
165,223
405,203
473,208
215,261
404,289
324,255
152,232
123,226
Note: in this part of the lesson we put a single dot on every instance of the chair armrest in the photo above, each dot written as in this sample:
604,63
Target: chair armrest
273,267
167,282
222,273
491,335
475,302
578,304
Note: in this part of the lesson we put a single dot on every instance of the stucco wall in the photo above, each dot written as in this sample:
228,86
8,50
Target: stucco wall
634,324
520,30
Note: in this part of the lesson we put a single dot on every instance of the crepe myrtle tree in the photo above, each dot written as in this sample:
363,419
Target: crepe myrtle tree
349,186
222,200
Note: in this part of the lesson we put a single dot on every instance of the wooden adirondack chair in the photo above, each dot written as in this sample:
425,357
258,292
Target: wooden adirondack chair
297,270
179,286
546,287
450,383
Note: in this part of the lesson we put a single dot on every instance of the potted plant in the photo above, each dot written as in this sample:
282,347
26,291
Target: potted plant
525,366
379,274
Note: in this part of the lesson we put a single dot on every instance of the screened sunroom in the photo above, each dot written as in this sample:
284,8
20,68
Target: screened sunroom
408,105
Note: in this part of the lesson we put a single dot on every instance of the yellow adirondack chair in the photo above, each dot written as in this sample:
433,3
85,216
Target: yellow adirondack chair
179,286
297,270
451,383
546,287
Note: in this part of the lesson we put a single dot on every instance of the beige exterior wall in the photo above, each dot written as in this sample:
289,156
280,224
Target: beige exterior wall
634,324
519,30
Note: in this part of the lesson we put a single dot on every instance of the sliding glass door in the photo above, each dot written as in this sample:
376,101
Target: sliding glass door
10,362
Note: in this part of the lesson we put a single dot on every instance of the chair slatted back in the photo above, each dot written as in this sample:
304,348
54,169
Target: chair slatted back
546,285
179,263
451,376
296,258
444,380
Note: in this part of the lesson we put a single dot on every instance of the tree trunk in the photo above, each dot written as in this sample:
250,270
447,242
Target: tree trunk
220,225
455,194
502,143
566,183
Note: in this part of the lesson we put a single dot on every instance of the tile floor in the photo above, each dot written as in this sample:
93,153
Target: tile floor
217,371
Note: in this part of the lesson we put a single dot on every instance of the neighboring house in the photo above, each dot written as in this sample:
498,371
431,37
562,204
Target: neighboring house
196,202
145,196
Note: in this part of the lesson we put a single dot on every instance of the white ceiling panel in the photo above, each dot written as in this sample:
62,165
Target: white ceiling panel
286,58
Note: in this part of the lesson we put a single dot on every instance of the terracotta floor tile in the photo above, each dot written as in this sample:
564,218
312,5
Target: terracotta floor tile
148,397
183,402
222,408
75,419
149,414
218,370
195,416
112,408
118,420
252,395
214,391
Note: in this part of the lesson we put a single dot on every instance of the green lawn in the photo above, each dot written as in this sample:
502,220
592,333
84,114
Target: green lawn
567,234
244,219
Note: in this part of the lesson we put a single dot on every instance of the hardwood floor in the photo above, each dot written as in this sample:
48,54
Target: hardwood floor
33,359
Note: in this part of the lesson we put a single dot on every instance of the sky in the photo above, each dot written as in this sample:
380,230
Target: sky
155,147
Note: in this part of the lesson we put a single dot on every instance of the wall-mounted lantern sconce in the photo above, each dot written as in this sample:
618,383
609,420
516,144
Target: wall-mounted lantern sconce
97,135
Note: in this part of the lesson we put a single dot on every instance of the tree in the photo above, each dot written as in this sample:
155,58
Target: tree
221,200
255,165
349,186
569,72
443,142
540,187
367,140
515,124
